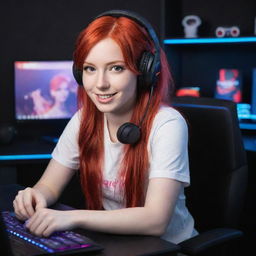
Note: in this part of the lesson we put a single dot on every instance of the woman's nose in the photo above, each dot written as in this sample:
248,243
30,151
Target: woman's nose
102,81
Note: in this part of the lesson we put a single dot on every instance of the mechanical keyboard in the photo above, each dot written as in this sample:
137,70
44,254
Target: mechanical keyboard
57,242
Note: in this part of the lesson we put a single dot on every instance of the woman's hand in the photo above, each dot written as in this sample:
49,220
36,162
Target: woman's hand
46,221
27,202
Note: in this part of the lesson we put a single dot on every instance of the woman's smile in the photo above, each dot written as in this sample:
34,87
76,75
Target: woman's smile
105,98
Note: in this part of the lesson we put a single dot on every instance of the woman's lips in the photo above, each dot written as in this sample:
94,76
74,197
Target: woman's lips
105,98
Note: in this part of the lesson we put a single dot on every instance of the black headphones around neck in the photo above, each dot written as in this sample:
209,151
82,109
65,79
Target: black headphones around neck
149,67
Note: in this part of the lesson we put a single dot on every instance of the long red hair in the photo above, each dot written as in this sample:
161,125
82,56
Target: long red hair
133,41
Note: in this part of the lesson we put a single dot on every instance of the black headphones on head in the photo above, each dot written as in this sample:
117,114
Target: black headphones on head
149,67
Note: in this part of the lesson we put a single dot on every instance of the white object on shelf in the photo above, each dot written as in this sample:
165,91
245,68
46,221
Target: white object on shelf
191,24
227,31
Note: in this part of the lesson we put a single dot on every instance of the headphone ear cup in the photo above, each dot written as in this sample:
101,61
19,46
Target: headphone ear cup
78,75
128,133
146,68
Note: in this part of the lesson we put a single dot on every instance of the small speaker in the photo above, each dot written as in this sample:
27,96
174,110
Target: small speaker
7,133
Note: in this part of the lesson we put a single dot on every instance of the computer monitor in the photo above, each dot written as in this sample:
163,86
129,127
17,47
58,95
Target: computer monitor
44,90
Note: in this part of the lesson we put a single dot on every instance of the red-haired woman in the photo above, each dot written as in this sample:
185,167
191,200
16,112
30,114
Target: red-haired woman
59,89
129,189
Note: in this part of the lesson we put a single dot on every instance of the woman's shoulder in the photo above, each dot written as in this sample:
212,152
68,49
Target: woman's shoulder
168,119
77,115
74,122
168,114
168,123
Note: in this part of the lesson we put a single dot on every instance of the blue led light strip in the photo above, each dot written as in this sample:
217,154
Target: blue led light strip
30,241
25,157
210,40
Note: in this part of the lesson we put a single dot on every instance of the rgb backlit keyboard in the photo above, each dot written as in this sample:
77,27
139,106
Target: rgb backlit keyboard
58,242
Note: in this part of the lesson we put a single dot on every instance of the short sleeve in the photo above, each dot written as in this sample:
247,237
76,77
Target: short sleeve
66,151
169,147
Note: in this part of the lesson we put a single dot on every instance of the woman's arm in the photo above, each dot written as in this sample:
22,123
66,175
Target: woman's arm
151,219
44,193
53,181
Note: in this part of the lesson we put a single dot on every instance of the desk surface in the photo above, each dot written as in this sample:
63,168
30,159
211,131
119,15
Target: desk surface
114,245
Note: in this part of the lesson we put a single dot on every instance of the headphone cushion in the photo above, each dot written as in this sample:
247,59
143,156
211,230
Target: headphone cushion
128,133
146,69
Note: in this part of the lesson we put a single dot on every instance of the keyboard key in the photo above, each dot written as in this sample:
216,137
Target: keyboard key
51,243
76,237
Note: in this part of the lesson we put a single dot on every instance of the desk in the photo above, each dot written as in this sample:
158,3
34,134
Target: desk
114,245
20,152
23,150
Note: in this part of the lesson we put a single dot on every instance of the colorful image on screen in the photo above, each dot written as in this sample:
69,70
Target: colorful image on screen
44,90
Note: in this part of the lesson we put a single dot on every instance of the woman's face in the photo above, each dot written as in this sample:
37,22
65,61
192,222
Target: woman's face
107,80
61,94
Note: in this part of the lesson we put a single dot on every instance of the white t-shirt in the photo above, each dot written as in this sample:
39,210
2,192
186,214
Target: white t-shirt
168,158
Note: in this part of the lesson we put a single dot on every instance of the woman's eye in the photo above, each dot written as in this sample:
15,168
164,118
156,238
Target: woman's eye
117,68
89,69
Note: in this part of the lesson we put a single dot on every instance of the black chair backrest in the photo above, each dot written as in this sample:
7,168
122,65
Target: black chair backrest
218,164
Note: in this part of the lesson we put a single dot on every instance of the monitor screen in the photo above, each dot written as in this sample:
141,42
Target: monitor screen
44,90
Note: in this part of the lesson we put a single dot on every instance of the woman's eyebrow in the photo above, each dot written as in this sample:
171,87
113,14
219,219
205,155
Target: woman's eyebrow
108,63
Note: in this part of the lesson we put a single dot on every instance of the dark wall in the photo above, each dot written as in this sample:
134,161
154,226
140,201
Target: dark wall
213,14
46,30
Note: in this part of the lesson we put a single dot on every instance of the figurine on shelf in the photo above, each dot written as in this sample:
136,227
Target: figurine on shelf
191,24
233,31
